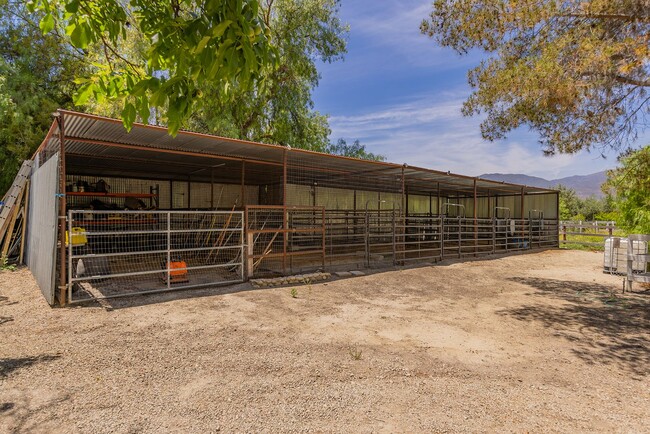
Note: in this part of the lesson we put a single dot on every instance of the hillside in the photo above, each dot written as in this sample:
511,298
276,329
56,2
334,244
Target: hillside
584,185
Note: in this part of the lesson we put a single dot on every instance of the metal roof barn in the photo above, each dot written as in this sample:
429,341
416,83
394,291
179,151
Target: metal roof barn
229,210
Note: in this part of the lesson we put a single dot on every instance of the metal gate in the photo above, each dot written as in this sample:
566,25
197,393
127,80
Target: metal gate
123,253
283,240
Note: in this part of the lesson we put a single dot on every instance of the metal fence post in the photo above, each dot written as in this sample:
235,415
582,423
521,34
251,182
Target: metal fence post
249,259
169,247
460,249
69,255
494,235
394,236
442,238
367,239
241,242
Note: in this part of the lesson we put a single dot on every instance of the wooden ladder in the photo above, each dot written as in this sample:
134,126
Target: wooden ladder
14,205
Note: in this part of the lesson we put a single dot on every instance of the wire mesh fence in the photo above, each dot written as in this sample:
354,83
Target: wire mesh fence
120,253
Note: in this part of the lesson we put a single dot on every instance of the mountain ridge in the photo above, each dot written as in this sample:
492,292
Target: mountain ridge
584,185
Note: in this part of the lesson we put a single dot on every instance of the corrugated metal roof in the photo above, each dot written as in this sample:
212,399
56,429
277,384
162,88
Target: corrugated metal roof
103,139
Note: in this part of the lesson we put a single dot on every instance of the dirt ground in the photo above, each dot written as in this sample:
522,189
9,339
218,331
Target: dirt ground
524,343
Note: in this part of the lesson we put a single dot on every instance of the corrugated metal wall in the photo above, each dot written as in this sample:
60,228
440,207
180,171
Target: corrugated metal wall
42,226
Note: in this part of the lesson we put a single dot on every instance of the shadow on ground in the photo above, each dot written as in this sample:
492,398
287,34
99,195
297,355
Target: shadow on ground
7,366
4,301
129,301
604,327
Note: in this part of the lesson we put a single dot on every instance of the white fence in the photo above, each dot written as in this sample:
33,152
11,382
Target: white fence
578,232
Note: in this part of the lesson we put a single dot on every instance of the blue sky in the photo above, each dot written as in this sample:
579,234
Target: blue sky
400,95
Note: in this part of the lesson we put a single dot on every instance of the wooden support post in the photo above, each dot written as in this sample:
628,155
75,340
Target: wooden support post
62,211
24,228
12,223
438,200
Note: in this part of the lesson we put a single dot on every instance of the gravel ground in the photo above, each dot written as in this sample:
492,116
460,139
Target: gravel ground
525,343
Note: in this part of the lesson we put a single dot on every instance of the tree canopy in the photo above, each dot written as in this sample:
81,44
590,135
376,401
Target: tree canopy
576,72
44,67
630,186
573,207
185,44
37,75
355,150
281,111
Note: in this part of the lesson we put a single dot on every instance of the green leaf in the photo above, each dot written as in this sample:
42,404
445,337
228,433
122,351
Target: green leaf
201,45
79,36
143,110
72,6
47,23
128,115
84,92
218,31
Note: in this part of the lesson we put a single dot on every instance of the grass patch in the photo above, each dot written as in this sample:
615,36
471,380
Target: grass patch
355,352
6,266
593,242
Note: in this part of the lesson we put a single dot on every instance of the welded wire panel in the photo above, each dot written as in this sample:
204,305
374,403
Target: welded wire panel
119,253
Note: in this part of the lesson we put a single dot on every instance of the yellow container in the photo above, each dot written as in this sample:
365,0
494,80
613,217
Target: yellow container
78,237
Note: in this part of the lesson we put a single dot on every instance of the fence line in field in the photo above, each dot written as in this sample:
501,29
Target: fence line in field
602,229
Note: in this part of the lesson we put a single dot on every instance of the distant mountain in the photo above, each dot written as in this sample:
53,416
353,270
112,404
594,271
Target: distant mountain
584,185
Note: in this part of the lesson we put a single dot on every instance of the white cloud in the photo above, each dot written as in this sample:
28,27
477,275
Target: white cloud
431,132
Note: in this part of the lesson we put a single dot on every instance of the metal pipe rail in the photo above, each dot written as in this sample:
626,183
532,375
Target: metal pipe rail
169,250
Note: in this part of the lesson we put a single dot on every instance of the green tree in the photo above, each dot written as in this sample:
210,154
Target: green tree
630,185
281,111
569,203
575,72
356,150
189,43
591,206
36,77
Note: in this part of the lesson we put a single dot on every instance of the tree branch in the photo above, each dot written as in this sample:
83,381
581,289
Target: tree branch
619,17
632,81
619,78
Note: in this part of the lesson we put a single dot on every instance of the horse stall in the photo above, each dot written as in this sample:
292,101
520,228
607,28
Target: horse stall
140,211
